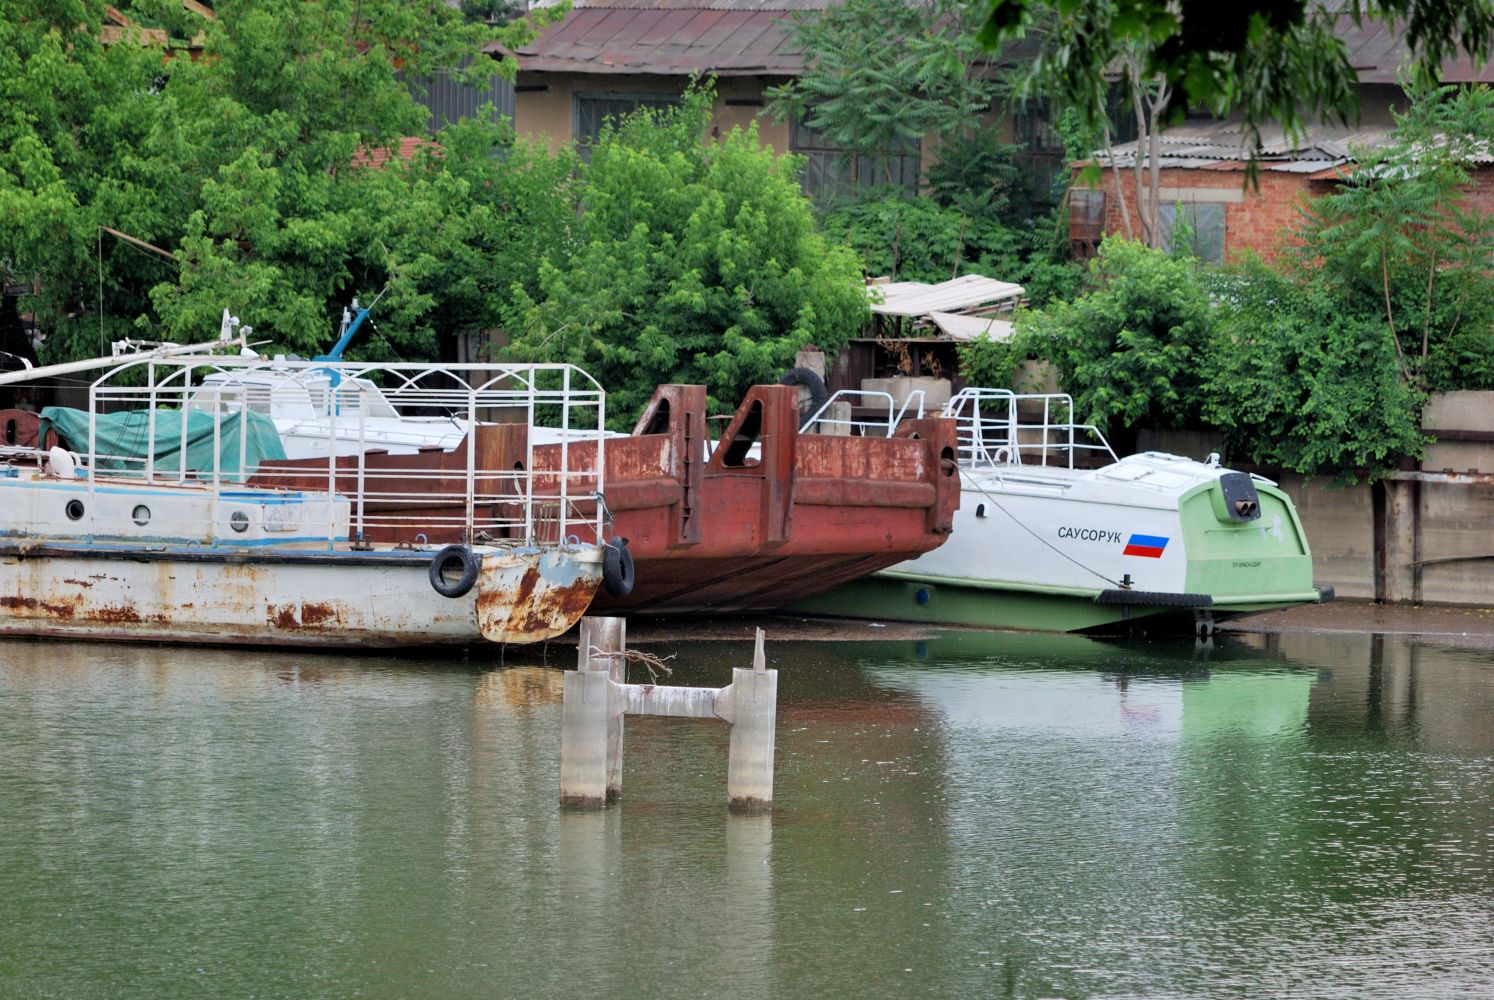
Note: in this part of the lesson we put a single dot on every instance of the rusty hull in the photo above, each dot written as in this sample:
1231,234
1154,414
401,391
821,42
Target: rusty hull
772,516
766,519
342,599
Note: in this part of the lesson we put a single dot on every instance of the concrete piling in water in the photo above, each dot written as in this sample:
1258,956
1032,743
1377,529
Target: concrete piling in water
597,698
752,708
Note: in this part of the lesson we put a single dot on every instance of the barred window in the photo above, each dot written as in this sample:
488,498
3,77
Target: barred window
594,111
830,172
1197,228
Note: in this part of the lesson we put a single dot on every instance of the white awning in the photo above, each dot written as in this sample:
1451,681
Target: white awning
914,298
958,326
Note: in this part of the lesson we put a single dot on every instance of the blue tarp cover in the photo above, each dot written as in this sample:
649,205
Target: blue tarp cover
122,441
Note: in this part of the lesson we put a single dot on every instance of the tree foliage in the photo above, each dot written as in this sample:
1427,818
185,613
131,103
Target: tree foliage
254,165
1266,60
1398,242
1130,349
885,75
693,260
1296,381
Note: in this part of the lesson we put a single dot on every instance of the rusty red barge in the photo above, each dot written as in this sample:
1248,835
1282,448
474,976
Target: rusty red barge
757,518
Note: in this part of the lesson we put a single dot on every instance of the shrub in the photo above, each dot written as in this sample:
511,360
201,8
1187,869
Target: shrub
1130,348
692,261
1295,381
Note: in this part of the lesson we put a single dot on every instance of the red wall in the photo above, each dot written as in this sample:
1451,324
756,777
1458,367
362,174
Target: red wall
1261,220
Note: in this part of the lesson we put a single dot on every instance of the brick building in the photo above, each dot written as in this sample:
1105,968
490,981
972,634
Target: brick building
1203,183
1203,163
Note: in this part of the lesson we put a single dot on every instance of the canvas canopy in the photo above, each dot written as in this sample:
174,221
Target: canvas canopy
122,441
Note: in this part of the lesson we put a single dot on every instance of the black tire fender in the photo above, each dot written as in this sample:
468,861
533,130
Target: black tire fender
617,568
454,571
806,379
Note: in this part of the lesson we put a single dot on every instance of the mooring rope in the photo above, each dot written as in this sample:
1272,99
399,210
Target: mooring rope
964,475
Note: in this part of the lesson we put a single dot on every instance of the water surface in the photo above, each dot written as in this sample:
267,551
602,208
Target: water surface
981,814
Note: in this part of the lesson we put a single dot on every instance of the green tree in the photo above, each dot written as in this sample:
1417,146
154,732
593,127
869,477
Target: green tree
1295,380
1265,60
884,75
252,165
1130,349
693,261
1397,241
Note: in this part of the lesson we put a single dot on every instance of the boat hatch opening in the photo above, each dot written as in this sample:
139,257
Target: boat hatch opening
748,430
658,421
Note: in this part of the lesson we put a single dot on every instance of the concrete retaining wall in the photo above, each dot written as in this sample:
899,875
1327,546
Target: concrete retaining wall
1340,526
1422,537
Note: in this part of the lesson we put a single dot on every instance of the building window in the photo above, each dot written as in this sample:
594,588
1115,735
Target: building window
830,172
1040,155
1197,228
593,112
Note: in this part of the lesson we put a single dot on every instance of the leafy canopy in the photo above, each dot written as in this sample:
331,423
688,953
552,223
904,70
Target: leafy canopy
693,260
885,74
1397,242
1130,349
253,166
1267,60
1295,380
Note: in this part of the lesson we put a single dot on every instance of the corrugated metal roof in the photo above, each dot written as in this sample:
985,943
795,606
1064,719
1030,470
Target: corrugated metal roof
1225,146
958,326
672,38
916,298
1377,50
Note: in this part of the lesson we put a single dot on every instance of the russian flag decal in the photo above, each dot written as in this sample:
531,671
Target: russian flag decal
1150,546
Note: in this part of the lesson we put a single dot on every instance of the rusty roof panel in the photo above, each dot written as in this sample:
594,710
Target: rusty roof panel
669,41
1377,50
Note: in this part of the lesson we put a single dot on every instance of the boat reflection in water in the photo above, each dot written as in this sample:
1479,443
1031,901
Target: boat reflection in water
994,814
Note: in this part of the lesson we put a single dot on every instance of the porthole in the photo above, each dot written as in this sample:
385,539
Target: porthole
74,510
239,521
141,514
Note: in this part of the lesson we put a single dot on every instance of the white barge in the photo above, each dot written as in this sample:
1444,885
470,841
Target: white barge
1055,533
131,520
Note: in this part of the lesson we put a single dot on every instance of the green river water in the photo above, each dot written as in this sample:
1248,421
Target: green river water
975,815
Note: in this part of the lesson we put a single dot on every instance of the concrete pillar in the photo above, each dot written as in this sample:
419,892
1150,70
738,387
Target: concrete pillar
1400,574
591,721
597,698
839,420
812,358
753,708
603,643
584,735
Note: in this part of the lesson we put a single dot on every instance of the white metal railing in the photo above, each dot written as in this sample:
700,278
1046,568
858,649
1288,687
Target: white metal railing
999,428
824,420
385,436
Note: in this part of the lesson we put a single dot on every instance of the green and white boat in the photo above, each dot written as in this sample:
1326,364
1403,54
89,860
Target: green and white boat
1149,541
